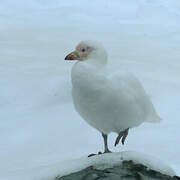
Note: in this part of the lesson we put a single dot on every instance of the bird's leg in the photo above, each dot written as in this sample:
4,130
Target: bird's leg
123,135
106,149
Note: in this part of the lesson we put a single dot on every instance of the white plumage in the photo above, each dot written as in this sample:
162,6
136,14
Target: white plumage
108,103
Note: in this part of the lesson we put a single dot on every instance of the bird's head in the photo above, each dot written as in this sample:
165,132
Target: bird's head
88,50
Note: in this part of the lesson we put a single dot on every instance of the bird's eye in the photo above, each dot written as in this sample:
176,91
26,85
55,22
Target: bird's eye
83,50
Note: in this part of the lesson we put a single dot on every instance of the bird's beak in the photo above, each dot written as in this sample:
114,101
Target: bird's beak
72,56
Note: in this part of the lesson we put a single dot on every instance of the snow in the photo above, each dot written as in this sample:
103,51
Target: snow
100,162
110,160
39,127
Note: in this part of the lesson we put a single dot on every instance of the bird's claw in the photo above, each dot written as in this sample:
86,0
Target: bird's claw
99,153
90,155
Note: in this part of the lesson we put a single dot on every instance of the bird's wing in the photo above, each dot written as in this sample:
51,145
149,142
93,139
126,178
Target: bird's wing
128,88
127,83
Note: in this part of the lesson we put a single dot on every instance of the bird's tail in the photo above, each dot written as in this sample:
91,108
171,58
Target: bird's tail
155,119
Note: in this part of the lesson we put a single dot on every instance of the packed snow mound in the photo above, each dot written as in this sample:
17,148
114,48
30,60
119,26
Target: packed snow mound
104,161
109,160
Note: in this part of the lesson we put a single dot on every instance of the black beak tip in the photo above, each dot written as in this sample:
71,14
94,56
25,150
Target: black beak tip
68,57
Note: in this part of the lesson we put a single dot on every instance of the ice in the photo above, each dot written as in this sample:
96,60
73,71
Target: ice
39,127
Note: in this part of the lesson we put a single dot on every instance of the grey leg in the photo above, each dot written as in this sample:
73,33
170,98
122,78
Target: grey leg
123,135
106,149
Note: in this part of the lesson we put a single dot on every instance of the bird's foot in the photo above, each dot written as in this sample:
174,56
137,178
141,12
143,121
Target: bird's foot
90,155
99,153
123,135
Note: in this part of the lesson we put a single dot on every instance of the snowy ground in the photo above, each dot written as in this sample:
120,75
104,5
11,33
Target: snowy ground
39,127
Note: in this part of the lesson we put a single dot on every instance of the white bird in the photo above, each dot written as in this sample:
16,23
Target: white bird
108,103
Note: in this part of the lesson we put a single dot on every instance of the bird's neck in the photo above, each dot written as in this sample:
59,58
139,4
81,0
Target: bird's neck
94,63
97,58
86,73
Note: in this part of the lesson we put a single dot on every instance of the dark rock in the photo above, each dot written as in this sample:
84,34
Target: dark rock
128,170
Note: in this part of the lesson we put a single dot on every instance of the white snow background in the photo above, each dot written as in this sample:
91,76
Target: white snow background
39,127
